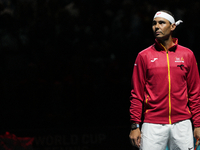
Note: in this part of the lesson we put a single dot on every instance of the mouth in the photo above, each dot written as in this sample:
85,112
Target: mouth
158,32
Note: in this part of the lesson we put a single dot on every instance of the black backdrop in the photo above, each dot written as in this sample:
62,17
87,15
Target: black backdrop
66,65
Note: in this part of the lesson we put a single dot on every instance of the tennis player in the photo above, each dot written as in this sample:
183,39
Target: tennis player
165,92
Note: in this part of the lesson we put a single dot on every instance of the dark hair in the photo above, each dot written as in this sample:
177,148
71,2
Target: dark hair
169,12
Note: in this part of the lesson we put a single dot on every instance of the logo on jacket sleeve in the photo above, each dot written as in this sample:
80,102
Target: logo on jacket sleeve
178,59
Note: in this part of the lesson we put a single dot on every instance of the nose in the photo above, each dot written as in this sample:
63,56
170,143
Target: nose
156,25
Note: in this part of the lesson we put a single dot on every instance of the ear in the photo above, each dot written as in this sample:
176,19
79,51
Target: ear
173,27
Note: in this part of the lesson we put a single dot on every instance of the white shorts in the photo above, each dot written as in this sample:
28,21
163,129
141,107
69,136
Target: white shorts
177,136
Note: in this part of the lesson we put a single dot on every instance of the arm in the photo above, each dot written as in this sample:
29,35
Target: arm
197,129
136,98
194,95
137,91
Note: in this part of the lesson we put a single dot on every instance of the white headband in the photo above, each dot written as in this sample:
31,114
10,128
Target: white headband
168,17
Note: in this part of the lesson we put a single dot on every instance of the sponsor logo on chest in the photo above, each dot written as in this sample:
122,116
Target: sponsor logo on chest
178,59
153,60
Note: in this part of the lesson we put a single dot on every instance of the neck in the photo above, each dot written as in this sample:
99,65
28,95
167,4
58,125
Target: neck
167,43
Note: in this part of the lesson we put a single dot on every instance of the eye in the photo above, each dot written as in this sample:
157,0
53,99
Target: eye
162,22
154,23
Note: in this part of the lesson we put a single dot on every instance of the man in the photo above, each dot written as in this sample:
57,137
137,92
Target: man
165,92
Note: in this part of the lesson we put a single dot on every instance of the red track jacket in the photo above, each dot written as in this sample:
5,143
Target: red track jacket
165,85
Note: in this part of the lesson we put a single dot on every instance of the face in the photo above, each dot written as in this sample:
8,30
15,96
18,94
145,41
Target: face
162,28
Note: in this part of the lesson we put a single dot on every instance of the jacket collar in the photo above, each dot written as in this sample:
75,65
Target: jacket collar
159,47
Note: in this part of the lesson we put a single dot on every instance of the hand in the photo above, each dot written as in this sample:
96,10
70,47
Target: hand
197,133
135,137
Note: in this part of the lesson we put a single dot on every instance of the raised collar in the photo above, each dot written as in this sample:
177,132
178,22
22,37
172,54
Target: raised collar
159,47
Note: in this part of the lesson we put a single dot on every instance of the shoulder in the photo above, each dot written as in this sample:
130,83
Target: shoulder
184,49
147,50
186,52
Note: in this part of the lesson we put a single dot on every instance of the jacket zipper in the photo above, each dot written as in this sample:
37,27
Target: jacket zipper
169,79
146,102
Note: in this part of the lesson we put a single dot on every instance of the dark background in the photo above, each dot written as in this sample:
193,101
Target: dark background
67,64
